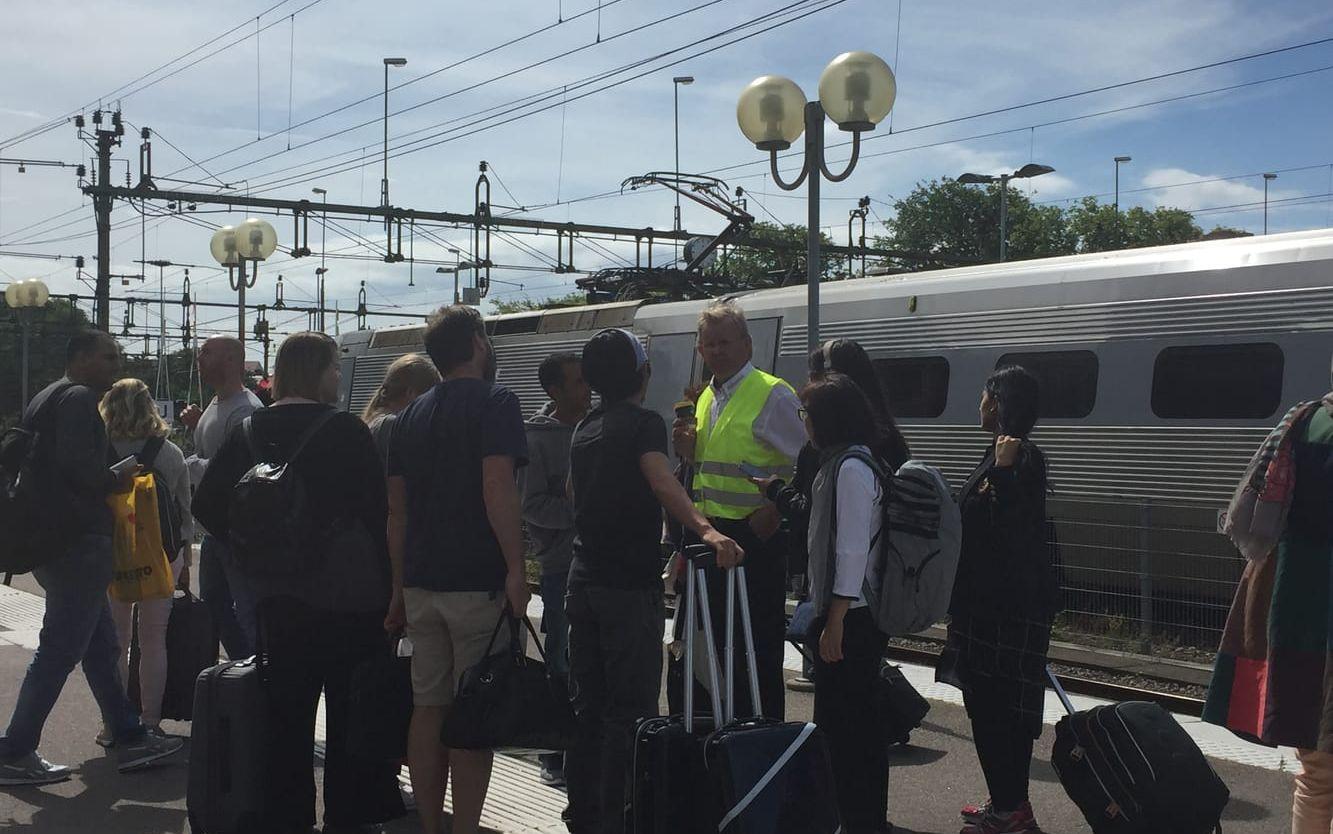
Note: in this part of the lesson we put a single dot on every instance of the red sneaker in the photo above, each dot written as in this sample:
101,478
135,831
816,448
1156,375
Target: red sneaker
975,812
1015,822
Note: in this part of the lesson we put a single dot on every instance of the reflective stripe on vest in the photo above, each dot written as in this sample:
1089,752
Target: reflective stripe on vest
723,489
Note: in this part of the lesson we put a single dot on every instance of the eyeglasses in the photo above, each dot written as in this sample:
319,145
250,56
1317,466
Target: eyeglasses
802,413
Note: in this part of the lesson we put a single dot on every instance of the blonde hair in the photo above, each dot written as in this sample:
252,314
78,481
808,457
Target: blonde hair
410,375
302,359
720,311
130,412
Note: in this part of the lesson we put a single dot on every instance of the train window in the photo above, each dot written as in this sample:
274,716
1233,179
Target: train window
1218,381
1068,380
916,386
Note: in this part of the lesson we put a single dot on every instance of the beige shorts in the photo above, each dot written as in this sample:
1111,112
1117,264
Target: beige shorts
449,631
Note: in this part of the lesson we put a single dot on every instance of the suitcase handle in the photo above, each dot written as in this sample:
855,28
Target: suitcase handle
696,609
1059,691
698,557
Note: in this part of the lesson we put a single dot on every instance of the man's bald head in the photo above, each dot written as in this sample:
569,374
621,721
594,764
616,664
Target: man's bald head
222,363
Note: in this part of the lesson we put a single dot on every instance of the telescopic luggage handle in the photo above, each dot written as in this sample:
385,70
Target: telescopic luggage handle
698,557
1059,691
696,609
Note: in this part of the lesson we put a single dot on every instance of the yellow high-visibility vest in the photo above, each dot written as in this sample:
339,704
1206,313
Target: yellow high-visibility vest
722,489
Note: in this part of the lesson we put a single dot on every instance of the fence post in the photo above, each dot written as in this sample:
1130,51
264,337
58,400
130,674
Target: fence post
1145,577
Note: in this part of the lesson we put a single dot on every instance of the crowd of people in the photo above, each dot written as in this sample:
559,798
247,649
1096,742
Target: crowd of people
421,506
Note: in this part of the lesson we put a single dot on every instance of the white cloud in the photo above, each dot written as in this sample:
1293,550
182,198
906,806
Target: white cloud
1179,187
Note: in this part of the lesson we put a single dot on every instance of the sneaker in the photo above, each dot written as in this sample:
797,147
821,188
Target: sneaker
152,747
1015,822
553,775
105,738
32,769
974,812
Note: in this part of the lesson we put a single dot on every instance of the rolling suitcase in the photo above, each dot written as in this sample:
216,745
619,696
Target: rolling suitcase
669,789
772,777
225,791
192,646
1132,769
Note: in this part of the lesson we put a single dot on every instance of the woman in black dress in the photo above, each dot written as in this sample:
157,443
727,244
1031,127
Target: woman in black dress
1004,599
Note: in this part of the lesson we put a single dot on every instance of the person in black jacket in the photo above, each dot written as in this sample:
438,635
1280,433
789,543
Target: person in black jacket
846,357
314,630
1004,599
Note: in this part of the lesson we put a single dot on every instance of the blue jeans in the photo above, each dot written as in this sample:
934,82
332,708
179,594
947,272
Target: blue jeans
554,622
76,629
228,598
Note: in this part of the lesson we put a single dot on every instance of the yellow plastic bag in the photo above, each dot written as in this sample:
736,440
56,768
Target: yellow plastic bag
142,570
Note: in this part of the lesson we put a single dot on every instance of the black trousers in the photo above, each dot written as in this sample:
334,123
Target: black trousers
766,580
845,712
615,673
1005,753
307,652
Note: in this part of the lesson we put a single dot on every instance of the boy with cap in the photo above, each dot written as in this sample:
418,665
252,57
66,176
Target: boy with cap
621,479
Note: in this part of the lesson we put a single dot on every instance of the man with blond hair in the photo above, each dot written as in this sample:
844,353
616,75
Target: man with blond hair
744,417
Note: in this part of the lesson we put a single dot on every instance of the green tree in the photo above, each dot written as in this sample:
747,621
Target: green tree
525,304
51,328
747,267
945,223
1100,228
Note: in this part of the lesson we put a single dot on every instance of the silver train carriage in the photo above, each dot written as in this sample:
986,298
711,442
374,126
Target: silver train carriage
1162,370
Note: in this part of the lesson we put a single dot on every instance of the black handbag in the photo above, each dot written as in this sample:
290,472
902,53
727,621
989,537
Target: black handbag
380,707
508,700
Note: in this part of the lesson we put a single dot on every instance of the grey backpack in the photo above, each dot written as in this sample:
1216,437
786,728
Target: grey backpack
915,557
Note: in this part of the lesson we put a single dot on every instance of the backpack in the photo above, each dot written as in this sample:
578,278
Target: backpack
273,531
35,530
168,511
910,581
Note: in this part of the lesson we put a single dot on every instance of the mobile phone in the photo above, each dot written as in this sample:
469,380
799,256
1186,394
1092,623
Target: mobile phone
684,410
753,471
124,465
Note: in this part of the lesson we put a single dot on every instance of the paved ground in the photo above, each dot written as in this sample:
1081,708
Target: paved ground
929,780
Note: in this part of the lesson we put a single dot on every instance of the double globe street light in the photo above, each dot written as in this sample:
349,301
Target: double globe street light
25,298
857,91
233,246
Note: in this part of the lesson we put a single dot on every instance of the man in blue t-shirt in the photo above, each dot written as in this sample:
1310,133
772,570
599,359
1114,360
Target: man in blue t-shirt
456,547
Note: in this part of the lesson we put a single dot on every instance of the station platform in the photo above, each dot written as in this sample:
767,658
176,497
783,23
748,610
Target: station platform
930,779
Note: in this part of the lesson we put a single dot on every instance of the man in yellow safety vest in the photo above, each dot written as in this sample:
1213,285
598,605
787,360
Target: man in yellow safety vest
746,422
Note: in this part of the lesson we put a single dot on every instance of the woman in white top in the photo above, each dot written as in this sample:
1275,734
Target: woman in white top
133,423
847,646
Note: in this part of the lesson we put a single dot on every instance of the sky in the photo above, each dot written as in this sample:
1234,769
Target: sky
536,111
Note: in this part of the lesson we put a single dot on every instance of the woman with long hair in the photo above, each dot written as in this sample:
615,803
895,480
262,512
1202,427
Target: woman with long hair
135,427
316,627
410,376
844,642
1004,599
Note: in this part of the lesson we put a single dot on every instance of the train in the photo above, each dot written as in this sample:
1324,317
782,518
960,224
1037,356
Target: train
1162,369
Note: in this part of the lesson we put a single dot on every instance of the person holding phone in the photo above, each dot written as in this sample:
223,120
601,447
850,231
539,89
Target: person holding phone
74,456
1004,600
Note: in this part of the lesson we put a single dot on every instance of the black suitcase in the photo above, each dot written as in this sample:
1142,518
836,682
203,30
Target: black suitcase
225,792
669,791
192,646
1132,769
899,708
771,777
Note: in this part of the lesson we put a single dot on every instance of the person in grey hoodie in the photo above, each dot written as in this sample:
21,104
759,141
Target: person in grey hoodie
548,510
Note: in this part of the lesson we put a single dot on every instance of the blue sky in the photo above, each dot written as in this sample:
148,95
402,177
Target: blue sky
952,60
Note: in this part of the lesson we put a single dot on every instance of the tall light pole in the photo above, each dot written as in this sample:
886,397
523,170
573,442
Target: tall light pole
384,183
1269,177
1118,160
25,298
323,247
1032,169
675,91
233,246
856,90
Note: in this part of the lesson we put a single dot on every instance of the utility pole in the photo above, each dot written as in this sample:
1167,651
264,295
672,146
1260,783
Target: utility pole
163,388
102,202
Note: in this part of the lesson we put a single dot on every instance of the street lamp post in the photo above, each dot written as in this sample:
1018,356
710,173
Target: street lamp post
232,246
675,90
1032,169
25,298
1269,177
856,90
1118,160
323,247
384,183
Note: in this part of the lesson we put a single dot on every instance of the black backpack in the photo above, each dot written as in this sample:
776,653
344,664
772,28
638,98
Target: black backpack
168,511
35,528
273,531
